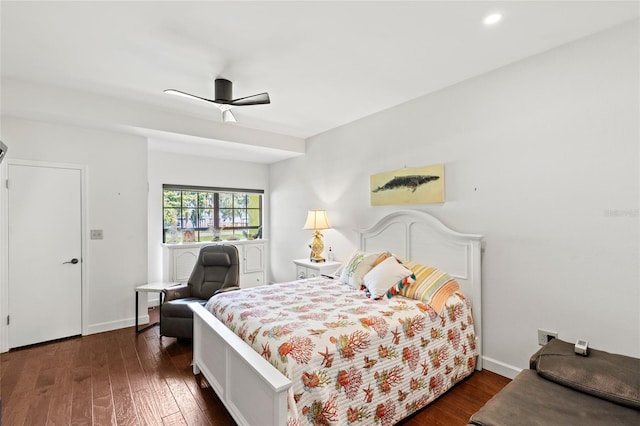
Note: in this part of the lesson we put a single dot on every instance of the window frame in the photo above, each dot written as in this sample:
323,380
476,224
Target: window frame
216,208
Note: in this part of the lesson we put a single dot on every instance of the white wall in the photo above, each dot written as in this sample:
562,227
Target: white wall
541,157
117,203
121,187
177,169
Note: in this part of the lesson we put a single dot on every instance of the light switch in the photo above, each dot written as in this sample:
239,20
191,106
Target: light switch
96,234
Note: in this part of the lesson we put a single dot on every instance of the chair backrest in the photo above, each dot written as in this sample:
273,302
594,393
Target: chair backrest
218,266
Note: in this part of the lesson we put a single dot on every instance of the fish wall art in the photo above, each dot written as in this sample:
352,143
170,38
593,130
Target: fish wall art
418,185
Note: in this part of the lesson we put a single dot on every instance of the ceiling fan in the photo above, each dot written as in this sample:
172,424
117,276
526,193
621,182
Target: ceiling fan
223,98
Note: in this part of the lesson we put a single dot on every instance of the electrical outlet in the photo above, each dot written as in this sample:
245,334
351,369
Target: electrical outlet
545,336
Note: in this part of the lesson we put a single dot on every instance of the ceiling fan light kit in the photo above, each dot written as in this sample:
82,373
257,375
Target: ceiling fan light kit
227,115
223,98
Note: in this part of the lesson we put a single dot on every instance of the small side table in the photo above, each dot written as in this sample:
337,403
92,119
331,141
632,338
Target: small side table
307,269
157,287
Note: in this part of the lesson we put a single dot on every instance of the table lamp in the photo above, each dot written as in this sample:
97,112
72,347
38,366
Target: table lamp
317,220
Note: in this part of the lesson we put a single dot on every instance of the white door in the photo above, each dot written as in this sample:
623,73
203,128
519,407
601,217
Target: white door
45,236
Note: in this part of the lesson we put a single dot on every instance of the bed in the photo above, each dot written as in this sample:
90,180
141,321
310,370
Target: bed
351,359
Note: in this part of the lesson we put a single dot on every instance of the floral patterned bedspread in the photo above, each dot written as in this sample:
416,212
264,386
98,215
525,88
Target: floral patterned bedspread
352,360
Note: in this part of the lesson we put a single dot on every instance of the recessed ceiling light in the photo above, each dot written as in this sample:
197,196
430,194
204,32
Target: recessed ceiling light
492,19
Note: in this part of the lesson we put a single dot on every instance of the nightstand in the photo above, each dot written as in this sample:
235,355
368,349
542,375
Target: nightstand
307,269
158,287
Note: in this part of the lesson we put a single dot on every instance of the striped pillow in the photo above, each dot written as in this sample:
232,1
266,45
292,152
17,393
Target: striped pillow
433,286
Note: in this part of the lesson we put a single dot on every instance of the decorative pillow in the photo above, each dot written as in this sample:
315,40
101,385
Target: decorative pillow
382,258
387,275
405,282
356,267
433,286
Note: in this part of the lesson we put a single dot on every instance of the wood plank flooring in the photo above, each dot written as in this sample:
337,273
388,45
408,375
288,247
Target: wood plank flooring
120,378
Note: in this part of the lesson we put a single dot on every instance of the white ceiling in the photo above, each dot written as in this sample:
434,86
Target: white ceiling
324,64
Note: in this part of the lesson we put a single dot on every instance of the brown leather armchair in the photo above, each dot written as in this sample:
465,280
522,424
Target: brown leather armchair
217,269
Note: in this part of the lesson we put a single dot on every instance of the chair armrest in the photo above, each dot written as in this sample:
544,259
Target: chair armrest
226,289
177,292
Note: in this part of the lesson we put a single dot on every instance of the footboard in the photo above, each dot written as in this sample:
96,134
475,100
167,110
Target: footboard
254,392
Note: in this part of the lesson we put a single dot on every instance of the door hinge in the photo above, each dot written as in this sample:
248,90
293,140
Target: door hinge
8,320
6,183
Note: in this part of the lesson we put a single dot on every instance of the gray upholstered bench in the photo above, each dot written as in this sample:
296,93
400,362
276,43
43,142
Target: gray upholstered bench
562,388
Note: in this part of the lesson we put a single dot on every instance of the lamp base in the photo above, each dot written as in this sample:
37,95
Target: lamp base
316,247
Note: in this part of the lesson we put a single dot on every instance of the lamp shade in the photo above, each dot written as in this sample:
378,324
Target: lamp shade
317,219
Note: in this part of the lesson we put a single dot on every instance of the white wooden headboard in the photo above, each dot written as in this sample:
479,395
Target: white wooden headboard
417,236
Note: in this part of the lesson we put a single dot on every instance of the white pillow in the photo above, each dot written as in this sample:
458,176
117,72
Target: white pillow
356,267
384,276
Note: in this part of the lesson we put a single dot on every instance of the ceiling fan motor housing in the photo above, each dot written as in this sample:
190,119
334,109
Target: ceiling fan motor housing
223,90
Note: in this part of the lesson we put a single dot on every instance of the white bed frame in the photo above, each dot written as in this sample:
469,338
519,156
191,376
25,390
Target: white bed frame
254,392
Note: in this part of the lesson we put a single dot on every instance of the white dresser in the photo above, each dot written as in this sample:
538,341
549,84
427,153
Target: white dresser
178,261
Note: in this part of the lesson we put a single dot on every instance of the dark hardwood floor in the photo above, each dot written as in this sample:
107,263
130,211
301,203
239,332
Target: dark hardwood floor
120,378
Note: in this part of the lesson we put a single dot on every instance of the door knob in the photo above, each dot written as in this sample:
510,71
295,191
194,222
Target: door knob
73,261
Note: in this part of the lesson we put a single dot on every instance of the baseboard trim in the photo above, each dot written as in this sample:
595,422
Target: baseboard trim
500,368
115,325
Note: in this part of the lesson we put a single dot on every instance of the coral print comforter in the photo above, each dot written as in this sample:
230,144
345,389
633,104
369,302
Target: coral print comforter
352,360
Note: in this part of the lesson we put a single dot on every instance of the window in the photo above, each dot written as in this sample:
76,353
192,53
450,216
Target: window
210,213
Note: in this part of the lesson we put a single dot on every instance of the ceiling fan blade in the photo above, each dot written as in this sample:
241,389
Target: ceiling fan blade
227,116
187,95
261,98
223,91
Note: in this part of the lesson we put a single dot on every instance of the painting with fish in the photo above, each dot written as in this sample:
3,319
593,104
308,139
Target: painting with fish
416,185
